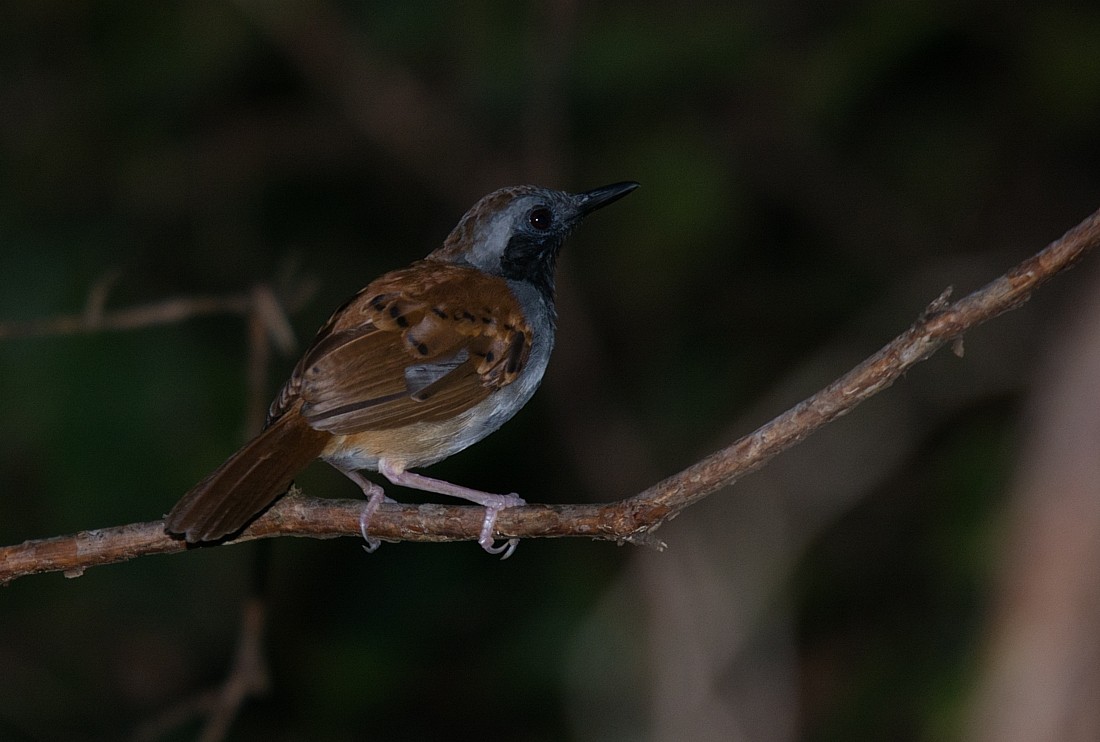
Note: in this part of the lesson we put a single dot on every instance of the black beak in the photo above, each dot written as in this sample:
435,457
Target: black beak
597,198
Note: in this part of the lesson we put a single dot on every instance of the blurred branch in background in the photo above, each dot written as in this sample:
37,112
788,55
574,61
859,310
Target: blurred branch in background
1039,674
633,519
268,326
260,305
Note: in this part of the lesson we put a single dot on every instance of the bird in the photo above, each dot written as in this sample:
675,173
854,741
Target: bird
423,362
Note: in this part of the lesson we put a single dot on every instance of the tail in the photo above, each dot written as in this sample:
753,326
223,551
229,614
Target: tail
253,478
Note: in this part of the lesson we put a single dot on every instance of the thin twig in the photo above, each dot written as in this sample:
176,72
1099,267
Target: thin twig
96,319
632,519
261,301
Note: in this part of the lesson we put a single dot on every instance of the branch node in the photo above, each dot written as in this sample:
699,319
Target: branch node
646,539
95,306
938,304
273,318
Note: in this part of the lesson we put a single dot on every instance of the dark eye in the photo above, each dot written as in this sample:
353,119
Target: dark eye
541,218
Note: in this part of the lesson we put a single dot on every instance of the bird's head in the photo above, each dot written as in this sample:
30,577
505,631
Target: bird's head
517,232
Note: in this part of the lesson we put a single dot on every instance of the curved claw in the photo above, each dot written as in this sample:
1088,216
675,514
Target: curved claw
508,547
373,501
485,538
364,520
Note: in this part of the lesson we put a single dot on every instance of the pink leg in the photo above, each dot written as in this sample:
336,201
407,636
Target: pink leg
493,503
375,497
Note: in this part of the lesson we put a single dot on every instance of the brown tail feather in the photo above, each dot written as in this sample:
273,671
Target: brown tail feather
250,480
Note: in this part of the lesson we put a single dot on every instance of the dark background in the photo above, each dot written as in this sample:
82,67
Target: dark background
812,177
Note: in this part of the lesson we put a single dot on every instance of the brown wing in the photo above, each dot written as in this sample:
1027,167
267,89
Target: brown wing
419,344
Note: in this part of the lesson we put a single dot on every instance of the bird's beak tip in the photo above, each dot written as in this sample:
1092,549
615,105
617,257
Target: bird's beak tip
589,201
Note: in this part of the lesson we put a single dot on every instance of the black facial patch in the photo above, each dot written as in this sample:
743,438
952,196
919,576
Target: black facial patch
530,257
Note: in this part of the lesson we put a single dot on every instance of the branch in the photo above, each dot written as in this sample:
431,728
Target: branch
260,302
630,520
94,319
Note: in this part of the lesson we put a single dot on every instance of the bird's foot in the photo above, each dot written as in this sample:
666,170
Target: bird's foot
375,497
485,538
493,503
369,509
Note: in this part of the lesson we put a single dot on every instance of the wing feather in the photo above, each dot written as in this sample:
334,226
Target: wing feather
420,344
